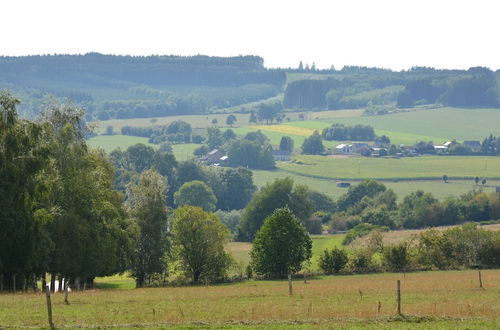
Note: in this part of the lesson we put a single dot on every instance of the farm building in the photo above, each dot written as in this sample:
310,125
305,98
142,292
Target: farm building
475,146
214,156
358,147
379,152
343,149
282,155
440,149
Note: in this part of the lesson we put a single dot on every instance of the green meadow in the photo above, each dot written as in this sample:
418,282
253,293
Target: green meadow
422,167
402,188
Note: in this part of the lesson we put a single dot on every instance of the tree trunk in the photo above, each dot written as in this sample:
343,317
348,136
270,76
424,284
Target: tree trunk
77,283
14,283
60,286
44,281
35,283
1,282
25,284
52,282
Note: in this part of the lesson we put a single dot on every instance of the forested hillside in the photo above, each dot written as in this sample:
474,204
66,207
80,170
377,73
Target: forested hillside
359,87
128,87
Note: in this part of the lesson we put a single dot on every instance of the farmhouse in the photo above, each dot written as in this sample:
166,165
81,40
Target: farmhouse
282,155
358,147
343,149
214,156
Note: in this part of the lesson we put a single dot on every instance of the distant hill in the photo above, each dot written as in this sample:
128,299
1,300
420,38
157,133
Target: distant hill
135,86
110,86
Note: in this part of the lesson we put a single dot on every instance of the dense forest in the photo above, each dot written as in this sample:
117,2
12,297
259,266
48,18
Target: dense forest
109,86
358,87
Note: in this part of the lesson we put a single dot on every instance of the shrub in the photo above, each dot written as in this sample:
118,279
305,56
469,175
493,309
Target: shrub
333,261
397,257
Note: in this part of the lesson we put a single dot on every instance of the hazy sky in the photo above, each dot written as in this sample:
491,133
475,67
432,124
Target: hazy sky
395,34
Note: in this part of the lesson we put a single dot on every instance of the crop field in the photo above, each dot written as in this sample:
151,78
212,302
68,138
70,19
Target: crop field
423,167
444,300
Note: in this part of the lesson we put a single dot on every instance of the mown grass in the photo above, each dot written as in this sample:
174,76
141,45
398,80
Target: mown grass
439,298
430,167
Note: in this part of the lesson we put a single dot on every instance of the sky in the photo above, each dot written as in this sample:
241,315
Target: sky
395,34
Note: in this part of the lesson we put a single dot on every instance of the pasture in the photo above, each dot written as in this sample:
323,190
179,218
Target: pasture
240,250
444,300
422,167
437,125
437,187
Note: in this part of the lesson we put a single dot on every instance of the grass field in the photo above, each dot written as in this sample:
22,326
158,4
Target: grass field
111,142
431,167
402,188
437,125
240,250
442,300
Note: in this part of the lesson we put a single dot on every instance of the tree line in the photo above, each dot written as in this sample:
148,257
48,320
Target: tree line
357,88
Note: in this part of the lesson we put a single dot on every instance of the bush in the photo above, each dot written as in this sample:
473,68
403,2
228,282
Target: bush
333,261
360,230
397,257
361,263
314,225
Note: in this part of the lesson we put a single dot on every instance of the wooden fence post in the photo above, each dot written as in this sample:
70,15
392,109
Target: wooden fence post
290,284
480,281
49,307
399,297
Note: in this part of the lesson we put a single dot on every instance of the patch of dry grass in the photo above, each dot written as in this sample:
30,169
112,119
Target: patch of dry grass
451,294
398,236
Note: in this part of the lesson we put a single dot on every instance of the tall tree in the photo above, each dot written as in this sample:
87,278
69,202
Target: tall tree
198,243
280,193
281,245
147,207
196,193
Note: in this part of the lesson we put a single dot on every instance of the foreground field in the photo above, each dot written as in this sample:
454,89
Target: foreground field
435,299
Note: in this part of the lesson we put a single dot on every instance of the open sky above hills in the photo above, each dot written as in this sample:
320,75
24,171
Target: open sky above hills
387,33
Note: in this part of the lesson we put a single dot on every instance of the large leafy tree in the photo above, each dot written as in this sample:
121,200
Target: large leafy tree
280,193
281,245
232,187
148,210
198,244
21,163
196,193
313,145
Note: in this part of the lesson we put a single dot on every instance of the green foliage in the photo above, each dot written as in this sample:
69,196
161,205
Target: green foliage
251,154
397,257
313,145
286,144
196,193
147,208
198,240
280,193
230,120
333,261
360,230
281,245
368,188
339,132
